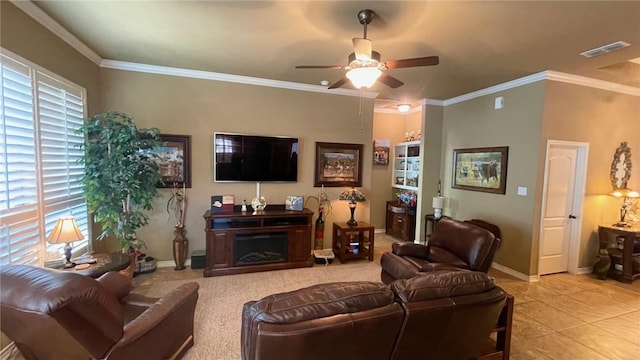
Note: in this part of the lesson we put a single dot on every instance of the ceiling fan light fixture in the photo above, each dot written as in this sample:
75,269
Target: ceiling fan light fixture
363,77
403,108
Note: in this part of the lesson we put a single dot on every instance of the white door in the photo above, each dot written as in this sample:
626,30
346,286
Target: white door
562,198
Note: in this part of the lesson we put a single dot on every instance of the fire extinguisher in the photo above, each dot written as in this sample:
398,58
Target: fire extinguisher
318,243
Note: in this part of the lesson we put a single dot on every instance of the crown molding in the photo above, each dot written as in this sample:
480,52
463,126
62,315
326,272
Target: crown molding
240,79
547,75
591,82
48,22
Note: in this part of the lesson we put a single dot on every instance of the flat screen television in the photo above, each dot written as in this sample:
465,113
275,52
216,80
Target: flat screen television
239,157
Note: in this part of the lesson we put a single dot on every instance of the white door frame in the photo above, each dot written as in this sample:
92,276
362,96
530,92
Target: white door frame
578,196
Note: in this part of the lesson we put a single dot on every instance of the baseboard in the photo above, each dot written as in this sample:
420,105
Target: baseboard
584,270
171,263
516,274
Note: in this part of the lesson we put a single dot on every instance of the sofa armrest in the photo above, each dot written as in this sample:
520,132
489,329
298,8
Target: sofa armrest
173,313
410,249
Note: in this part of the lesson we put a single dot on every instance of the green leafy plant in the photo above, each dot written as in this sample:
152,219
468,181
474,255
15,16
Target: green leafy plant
120,175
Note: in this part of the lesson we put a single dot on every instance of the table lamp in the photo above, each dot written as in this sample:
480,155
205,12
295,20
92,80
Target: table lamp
66,231
354,197
626,195
437,204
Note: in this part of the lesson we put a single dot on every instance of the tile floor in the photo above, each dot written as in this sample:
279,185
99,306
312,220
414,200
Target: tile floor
566,316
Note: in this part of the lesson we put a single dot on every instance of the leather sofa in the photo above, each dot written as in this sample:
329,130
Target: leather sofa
453,245
441,315
52,314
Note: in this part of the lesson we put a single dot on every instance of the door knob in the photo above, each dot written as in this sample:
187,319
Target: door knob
571,216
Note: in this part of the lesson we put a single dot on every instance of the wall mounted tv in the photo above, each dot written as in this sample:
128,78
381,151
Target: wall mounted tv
239,157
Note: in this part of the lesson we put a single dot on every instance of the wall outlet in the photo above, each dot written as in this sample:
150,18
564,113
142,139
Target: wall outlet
499,103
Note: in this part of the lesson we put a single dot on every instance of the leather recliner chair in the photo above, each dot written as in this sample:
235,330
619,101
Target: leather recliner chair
51,314
446,315
452,245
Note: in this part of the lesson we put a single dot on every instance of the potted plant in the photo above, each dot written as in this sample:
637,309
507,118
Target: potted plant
120,175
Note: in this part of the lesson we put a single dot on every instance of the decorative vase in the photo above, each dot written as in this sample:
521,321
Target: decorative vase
180,247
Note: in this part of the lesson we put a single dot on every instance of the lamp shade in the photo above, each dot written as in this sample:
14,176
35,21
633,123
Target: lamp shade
363,77
624,192
438,202
352,195
65,231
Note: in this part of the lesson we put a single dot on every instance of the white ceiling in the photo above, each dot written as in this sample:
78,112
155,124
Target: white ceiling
480,43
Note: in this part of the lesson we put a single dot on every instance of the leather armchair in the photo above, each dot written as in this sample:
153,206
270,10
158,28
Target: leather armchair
51,314
452,245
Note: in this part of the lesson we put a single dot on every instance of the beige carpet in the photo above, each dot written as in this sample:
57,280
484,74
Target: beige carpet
219,310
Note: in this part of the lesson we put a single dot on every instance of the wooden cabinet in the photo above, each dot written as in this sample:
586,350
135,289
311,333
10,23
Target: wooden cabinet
228,235
406,165
401,221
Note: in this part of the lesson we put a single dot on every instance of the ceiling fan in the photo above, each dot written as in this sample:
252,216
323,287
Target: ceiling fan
365,67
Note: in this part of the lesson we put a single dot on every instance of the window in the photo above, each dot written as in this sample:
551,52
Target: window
39,114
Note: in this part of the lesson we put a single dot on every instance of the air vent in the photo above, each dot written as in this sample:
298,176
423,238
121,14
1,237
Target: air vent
605,49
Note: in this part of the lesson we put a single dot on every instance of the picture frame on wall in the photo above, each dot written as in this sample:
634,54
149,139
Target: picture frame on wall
338,165
174,160
480,169
381,152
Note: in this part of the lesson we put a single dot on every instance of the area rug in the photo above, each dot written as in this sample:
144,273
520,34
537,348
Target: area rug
218,316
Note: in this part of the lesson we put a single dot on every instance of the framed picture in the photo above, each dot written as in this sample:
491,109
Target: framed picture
480,169
338,165
174,160
381,152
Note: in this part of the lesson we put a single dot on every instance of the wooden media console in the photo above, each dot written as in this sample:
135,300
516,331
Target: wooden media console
243,242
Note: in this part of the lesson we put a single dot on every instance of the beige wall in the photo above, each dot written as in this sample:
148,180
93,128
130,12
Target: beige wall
603,119
386,127
24,36
475,123
199,108
431,163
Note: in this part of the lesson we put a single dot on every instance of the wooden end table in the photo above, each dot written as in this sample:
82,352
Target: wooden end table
618,244
105,262
353,242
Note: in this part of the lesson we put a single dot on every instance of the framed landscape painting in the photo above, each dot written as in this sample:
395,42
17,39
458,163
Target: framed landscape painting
338,165
480,169
174,160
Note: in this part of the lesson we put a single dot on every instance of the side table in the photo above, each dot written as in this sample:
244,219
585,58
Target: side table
105,262
353,242
624,239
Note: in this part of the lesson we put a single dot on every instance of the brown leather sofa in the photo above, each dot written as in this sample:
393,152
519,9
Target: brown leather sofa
51,314
441,315
452,245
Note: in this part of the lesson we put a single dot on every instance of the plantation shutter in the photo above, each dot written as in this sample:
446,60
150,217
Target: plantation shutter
38,153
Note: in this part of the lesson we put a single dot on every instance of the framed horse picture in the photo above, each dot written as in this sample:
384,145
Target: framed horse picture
480,169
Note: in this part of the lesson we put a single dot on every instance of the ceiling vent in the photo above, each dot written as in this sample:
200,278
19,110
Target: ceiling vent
605,49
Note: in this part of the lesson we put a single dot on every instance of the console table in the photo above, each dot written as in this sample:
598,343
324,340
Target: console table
353,242
618,243
241,242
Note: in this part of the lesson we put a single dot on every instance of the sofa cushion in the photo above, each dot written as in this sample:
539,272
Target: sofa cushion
441,255
320,301
442,284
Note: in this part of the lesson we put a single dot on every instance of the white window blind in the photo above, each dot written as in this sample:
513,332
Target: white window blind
38,161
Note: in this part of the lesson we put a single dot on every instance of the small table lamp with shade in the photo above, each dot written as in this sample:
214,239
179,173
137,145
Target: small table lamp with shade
354,197
626,195
66,231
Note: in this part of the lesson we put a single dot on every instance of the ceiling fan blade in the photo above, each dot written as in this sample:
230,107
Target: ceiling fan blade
362,48
405,63
339,83
319,67
390,81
